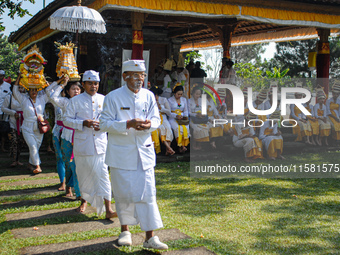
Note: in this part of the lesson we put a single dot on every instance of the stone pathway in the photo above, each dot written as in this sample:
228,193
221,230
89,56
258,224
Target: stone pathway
57,223
102,243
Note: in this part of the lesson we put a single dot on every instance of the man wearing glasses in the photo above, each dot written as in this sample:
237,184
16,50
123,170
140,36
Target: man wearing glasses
129,115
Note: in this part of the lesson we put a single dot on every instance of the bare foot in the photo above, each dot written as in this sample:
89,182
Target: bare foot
19,163
248,160
171,151
82,207
272,158
62,187
111,214
213,144
14,164
184,148
37,170
281,157
69,192
326,143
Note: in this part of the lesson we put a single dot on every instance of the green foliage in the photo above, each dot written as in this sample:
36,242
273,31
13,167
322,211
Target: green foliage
276,73
192,56
249,73
293,55
195,56
334,46
10,57
14,8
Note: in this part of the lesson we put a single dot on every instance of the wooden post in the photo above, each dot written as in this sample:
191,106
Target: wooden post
137,19
225,35
323,60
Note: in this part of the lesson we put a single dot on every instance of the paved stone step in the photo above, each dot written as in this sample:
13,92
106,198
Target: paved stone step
31,182
35,191
101,244
28,175
37,202
46,214
66,228
191,251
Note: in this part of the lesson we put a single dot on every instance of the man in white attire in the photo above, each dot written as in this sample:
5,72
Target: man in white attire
89,146
129,116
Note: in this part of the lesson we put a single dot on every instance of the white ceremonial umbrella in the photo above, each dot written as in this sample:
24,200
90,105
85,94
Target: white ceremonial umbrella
77,19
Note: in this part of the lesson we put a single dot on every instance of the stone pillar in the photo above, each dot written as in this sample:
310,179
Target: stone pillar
137,20
323,60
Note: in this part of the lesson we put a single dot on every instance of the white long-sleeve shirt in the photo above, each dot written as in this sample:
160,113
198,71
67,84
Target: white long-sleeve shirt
125,146
30,118
87,141
10,106
165,107
183,107
5,89
60,104
193,107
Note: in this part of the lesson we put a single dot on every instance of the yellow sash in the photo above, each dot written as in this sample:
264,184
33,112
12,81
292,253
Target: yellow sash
185,131
160,115
268,131
245,131
210,112
155,139
320,112
297,111
177,111
333,106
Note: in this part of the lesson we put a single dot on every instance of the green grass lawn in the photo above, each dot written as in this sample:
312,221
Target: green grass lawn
226,215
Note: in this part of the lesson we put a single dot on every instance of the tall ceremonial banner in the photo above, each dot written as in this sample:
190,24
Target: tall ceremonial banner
146,56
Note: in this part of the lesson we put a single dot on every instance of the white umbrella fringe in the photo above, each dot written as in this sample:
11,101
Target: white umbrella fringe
77,18
80,25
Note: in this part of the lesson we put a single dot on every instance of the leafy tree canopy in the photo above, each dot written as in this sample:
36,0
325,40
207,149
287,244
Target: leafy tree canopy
294,55
10,57
14,9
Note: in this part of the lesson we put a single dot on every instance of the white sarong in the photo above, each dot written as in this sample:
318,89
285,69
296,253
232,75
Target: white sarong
94,180
135,197
33,140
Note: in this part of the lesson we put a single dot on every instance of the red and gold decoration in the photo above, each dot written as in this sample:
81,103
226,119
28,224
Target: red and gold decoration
66,63
137,44
32,70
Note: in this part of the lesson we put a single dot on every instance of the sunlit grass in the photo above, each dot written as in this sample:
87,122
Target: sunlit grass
226,215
